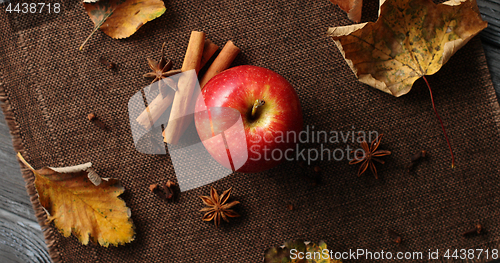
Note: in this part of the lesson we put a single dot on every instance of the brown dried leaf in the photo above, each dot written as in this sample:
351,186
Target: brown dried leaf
411,39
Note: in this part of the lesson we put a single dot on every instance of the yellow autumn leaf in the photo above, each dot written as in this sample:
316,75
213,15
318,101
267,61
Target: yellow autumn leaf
122,18
410,39
78,201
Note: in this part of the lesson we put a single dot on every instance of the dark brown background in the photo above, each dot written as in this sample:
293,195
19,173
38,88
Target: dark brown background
50,87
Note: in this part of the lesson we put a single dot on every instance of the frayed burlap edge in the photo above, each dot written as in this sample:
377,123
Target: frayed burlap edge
48,232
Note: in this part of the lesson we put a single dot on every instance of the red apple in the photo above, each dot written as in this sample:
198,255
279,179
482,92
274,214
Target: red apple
251,115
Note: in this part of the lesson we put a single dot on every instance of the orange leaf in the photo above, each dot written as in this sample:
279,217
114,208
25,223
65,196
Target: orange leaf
351,7
122,18
411,39
78,201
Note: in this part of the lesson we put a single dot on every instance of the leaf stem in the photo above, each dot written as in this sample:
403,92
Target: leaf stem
25,162
91,34
441,122
97,26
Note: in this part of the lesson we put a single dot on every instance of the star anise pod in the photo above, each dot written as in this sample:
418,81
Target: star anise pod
368,155
217,207
161,69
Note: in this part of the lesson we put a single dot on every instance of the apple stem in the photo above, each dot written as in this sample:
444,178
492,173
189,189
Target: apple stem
441,122
257,104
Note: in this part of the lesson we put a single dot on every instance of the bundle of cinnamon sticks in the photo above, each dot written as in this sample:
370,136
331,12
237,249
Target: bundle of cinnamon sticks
198,53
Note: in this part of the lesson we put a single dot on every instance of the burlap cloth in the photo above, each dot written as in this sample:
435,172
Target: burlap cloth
49,88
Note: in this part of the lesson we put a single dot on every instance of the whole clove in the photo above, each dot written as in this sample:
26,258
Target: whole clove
478,229
313,175
155,189
415,159
93,118
168,188
109,65
418,155
395,237
166,191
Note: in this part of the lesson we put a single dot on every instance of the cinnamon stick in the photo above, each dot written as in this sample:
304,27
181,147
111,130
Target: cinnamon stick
221,63
208,51
178,121
155,109
161,103
194,52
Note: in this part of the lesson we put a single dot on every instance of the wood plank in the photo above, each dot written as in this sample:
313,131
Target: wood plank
490,11
13,196
21,239
493,58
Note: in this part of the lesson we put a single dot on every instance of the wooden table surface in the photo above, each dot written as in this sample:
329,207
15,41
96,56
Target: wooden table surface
21,239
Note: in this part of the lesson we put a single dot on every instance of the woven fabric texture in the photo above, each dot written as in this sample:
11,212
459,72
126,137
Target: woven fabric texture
49,87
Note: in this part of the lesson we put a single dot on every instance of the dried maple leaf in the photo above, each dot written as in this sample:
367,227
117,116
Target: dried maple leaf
351,7
122,18
411,39
284,254
78,201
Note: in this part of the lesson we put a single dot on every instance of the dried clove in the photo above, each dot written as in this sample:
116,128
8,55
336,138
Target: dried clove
93,118
109,65
415,159
396,237
314,176
165,192
168,188
478,229
289,207
418,155
154,188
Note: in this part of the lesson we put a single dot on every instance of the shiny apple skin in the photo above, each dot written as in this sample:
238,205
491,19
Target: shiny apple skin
238,88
